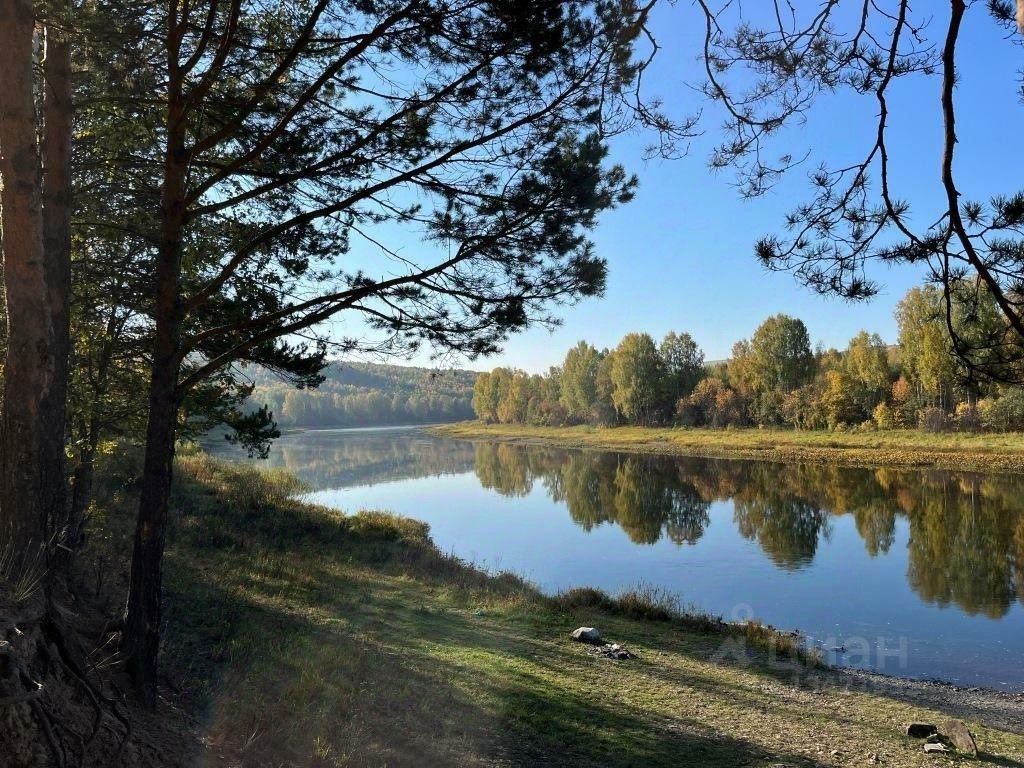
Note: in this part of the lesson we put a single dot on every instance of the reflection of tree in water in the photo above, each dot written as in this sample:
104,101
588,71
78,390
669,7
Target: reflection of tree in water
1018,558
585,483
961,547
504,468
689,516
640,494
876,524
642,500
787,528
336,459
966,543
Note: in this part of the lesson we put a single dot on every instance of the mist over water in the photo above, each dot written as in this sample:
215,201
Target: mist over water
915,573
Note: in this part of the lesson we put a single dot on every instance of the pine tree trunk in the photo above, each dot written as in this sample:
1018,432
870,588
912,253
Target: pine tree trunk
57,245
141,637
30,371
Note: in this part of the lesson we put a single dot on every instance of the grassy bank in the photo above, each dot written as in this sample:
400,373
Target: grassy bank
903,448
304,637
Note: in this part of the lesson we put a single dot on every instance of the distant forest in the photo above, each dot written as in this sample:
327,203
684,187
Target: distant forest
776,378
368,394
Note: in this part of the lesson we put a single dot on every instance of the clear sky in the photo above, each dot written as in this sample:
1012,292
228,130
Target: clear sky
681,254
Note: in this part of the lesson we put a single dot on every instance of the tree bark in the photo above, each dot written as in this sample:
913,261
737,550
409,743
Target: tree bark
57,114
30,372
141,637
140,641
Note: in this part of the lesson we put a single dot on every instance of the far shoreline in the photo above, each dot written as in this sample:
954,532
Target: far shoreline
1001,453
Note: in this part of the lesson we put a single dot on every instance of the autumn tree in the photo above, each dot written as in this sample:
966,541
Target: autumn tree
712,403
925,346
866,362
838,399
484,403
513,406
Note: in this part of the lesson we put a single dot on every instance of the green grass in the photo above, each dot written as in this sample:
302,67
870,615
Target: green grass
309,638
987,452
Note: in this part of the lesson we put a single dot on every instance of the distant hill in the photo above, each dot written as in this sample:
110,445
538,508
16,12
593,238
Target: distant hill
369,394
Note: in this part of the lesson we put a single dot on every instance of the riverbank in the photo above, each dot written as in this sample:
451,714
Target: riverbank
890,448
297,636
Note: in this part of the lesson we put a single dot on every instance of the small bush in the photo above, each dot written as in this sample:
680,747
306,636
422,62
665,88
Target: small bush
967,418
883,416
584,597
932,420
1004,413
384,526
649,604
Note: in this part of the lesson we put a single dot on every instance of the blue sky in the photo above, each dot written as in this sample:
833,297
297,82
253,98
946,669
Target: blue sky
681,254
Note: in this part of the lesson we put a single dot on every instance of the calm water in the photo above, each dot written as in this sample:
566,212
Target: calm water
915,573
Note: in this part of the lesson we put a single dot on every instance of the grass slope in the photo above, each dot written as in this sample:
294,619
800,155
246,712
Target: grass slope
904,448
313,639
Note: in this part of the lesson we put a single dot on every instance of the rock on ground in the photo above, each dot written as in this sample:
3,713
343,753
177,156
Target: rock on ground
956,731
586,635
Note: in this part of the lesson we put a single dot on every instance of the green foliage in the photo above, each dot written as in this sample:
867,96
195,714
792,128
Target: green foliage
637,376
578,383
1004,413
867,364
777,360
684,365
925,346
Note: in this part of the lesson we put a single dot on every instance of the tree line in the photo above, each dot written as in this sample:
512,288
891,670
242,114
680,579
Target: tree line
774,378
368,394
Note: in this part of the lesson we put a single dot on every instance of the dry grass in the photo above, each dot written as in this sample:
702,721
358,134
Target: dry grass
903,448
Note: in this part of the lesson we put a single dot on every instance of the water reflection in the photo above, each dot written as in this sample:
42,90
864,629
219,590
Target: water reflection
345,458
966,531
966,543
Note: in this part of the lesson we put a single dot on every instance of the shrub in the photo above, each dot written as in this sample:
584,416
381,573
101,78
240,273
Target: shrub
883,416
932,420
967,418
688,412
984,408
583,597
712,403
1005,412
